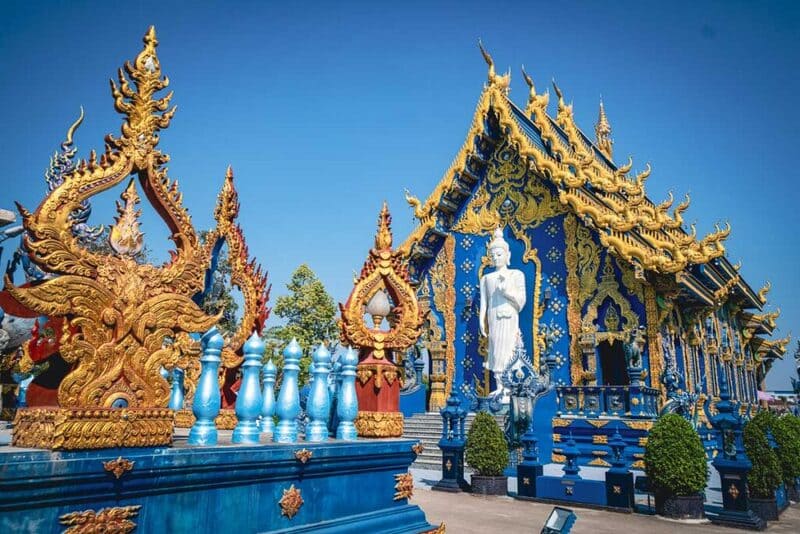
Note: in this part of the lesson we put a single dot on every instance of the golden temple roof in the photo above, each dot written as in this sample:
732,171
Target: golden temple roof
651,236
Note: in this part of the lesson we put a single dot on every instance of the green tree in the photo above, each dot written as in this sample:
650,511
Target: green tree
310,316
675,460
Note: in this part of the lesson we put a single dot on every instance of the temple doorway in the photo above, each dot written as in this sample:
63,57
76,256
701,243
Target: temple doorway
613,369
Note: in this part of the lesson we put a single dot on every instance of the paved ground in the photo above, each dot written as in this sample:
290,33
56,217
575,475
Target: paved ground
466,514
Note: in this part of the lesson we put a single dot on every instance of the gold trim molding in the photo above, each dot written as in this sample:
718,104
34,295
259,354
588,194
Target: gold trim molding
379,424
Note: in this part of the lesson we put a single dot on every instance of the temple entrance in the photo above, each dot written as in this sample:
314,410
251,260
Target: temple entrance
613,368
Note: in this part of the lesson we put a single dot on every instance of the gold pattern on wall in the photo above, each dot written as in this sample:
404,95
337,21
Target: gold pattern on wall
509,195
443,276
654,339
117,520
573,295
608,288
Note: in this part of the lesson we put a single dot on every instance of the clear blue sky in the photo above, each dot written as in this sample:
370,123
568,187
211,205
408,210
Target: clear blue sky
325,111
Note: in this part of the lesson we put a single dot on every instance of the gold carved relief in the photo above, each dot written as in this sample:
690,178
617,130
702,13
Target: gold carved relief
443,276
117,520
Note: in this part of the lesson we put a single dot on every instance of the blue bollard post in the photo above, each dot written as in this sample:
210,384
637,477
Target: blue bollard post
346,401
288,404
176,396
319,402
268,398
248,402
334,385
206,398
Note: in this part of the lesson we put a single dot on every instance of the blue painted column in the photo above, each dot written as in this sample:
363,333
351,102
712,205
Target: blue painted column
268,397
346,399
248,402
319,402
207,398
288,404
619,479
176,396
452,445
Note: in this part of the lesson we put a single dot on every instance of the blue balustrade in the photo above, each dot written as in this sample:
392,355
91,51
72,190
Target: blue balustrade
288,403
346,400
207,397
269,372
615,401
249,402
319,402
176,397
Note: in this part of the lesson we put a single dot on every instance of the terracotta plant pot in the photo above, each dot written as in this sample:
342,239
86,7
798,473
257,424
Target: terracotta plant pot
767,509
489,485
680,507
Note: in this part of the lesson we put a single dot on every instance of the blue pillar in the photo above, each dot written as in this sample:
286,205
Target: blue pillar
176,396
248,402
207,398
571,453
346,400
269,372
319,402
288,404
619,479
452,445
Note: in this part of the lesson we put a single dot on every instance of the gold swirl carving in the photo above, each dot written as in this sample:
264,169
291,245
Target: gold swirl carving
608,288
226,420
560,423
379,424
125,321
303,455
117,520
404,486
290,502
118,467
384,270
654,339
70,429
443,276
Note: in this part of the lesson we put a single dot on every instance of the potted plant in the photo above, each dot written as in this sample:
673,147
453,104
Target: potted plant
675,463
765,476
487,452
788,451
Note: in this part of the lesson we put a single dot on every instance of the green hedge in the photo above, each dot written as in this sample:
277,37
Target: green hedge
765,475
486,448
786,431
675,461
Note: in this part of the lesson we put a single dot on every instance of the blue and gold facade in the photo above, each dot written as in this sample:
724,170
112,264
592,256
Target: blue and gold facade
603,265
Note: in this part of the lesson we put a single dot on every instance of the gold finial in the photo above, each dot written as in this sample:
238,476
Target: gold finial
602,132
501,82
762,293
125,237
536,103
228,200
68,141
383,238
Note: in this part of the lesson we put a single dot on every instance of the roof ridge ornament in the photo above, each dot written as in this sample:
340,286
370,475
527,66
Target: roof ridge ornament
502,82
602,131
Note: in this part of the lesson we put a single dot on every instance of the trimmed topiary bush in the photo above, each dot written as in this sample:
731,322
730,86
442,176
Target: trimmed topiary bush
765,475
486,449
675,461
786,431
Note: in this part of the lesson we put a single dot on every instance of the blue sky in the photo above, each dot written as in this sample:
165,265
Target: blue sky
326,110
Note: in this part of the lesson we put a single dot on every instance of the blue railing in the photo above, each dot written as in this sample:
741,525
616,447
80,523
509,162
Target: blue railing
614,401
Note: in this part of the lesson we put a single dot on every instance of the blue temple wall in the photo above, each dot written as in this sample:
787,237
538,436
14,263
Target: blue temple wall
345,486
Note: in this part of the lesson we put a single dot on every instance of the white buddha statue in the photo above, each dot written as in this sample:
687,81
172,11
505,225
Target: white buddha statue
502,298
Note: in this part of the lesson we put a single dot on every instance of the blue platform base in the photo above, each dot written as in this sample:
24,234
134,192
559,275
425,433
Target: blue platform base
345,487
580,491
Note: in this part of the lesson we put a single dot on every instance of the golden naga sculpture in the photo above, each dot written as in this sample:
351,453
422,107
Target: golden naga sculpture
125,320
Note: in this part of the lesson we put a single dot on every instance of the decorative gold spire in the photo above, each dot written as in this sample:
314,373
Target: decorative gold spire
602,132
502,82
762,293
383,238
125,237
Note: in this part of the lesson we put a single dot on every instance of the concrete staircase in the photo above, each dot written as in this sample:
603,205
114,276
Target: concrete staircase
427,428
